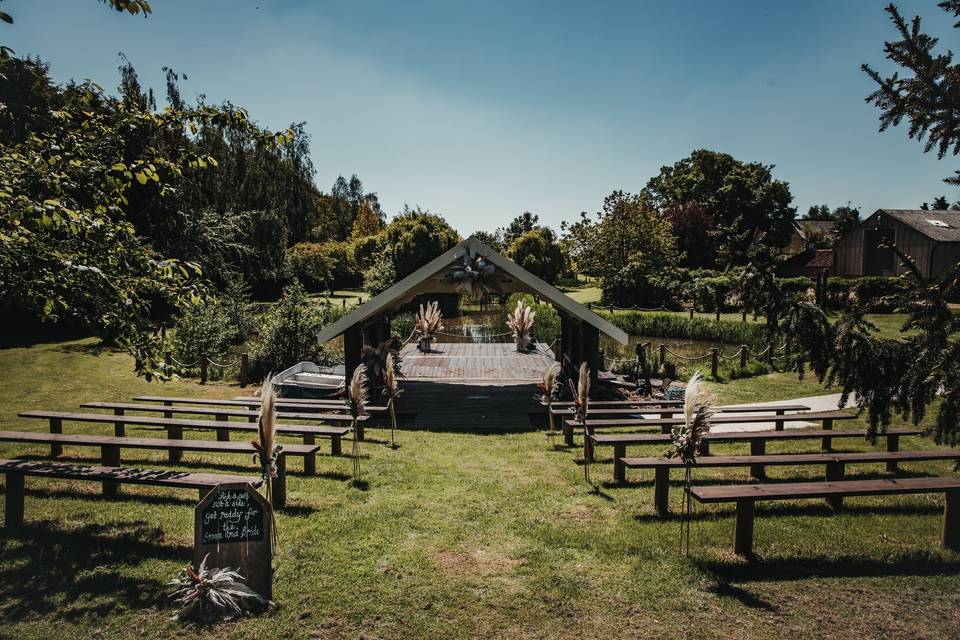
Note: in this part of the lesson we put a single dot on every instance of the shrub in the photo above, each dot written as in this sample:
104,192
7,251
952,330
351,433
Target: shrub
880,293
401,326
203,329
381,275
669,325
706,291
799,287
288,332
323,265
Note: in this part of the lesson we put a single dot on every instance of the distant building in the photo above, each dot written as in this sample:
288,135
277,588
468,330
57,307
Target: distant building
809,253
930,238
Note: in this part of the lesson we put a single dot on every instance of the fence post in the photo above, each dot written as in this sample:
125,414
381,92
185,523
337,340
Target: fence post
770,348
203,368
168,359
744,352
691,312
663,354
244,369
788,347
743,315
714,361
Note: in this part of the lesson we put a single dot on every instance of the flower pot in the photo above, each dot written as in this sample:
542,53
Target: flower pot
425,344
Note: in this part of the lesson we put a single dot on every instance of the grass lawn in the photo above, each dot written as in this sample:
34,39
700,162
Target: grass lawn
464,536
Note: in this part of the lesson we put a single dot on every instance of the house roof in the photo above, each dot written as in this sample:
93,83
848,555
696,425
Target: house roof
940,225
822,259
433,277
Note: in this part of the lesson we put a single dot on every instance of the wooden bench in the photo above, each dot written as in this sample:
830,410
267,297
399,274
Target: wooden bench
110,447
667,412
745,496
826,418
834,463
252,403
624,403
757,439
175,427
17,470
222,414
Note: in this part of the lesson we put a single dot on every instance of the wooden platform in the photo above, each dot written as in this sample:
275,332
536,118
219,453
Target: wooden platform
475,362
472,387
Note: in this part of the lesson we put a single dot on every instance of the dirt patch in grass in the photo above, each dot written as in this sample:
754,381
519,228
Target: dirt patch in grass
482,562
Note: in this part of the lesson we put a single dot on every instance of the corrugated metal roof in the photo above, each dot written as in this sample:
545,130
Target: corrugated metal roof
942,226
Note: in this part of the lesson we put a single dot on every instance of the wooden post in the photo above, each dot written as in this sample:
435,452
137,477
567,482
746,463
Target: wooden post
567,433
951,519
203,368
56,426
704,446
834,473
661,491
893,444
663,354
619,470
310,460
743,315
691,312
244,369
352,350
770,349
743,530
168,359
758,448
279,485
336,448
827,442
13,503
223,435
714,362
744,353
119,429
168,414
110,457
173,454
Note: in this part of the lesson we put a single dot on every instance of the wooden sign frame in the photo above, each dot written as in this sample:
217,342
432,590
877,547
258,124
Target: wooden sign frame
253,554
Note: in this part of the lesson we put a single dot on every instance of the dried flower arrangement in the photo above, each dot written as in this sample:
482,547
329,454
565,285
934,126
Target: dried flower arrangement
392,391
521,323
581,403
212,595
357,404
428,321
549,391
687,439
266,448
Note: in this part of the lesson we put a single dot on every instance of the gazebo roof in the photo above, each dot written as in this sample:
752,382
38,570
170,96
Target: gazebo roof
435,277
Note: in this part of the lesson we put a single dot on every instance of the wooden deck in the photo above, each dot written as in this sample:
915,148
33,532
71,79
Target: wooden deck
485,387
476,362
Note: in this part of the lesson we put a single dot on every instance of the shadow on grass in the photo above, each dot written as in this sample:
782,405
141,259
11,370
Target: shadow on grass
811,509
71,574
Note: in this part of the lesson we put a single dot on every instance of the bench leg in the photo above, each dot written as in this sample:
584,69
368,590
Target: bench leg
110,457
827,443
893,444
336,447
279,485
778,425
704,447
13,509
168,414
175,455
223,435
619,471
661,491
567,434
951,520
665,429
56,426
743,530
309,460
119,429
758,448
834,473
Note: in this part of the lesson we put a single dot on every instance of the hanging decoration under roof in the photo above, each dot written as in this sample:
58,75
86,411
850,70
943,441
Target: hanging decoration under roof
474,276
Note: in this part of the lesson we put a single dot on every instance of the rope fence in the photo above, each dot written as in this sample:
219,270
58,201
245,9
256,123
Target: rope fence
771,353
204,362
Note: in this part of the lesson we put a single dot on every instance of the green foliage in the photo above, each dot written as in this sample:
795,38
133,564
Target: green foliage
631,249
401,326
416,237
203,329
538,252
288,332
323,265
708,293
381,275
671,325
743,201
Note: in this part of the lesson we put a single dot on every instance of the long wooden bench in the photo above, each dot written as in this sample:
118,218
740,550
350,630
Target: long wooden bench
745,497
757,439
175,427
222,413
110,447
624,403
667,412
834,464
252,403
826,418
17,470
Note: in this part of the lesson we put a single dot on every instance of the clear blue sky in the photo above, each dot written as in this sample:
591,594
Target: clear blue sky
480,111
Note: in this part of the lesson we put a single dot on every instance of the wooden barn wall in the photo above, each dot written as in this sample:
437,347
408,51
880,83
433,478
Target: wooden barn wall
848,256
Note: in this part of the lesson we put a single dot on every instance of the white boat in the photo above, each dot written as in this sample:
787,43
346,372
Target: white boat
309,380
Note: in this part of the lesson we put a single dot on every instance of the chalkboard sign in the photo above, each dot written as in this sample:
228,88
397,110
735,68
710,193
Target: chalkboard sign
232,516
233,524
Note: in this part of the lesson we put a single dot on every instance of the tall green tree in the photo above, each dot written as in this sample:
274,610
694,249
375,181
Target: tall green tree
538,252
743,199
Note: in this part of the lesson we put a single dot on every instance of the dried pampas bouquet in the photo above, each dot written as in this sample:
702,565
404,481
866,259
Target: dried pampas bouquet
549,391
687,440
581,403
357,403
521,324
391,389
